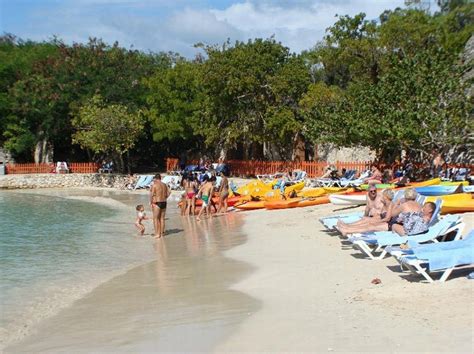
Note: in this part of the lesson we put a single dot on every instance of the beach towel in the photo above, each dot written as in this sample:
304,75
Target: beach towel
447,254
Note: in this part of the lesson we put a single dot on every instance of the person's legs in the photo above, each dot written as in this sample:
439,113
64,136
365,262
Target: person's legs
155,219
225,203
158,223
162,222
221,202
187,211
193,206
345,230
141,228
398,229
203,208
363,221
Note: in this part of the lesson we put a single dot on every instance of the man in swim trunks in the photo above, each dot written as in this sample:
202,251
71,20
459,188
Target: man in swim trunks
159,193
375,204
223,193
205,193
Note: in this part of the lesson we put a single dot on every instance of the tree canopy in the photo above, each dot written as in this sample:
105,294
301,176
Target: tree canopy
396,84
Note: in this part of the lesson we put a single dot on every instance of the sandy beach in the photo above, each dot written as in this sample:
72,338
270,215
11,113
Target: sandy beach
261,281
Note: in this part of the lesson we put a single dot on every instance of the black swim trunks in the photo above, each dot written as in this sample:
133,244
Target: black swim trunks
161,205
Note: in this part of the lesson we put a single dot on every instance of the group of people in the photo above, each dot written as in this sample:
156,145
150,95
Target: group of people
204,190
194,189
404,216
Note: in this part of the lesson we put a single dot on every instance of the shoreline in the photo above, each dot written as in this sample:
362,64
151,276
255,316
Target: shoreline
147,281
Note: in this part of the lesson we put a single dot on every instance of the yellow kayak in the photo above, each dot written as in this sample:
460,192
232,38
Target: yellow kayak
312,192
455,203
255,188
430,182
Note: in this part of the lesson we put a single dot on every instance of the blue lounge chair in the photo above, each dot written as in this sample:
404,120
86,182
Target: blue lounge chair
440,257
378,242
143,181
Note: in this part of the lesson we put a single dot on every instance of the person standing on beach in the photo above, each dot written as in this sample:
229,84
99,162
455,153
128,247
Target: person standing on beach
159,193
205,193
223,193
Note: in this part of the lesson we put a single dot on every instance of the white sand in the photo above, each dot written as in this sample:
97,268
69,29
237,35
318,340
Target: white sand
317,294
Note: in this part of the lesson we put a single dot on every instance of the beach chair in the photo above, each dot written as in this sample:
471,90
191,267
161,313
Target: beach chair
354,182
143,181
462,174
442,257
377,243
173,182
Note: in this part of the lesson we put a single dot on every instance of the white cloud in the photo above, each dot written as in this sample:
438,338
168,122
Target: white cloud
177,25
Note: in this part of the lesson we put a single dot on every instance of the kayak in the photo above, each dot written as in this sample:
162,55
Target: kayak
283,204
455,203
335,189
251,205
348,199
255,188
312,192
439,190
313,201
448,183
455,207
430,182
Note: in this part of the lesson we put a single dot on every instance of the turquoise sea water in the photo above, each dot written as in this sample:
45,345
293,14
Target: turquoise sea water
54,250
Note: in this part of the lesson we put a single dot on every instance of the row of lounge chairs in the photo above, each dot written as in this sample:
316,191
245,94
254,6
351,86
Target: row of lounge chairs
145,181
348,179
427,253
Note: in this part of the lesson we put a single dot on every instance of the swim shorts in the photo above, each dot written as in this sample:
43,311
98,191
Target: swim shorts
161,205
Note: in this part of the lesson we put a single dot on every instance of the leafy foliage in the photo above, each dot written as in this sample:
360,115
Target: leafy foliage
111,129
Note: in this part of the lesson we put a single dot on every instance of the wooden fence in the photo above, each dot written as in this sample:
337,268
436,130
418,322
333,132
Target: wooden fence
253,168
74,167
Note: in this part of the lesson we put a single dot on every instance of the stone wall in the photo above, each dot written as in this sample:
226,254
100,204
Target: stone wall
331,154
32,181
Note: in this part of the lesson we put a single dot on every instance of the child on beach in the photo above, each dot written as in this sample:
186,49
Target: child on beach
141,215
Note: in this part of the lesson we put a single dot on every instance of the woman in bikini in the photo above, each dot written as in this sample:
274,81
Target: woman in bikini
190,190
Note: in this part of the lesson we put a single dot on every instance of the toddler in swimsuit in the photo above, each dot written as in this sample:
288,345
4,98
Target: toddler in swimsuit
141,215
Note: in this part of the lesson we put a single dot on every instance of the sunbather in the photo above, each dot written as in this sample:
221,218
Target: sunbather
377,222
375,176
406,205
413,223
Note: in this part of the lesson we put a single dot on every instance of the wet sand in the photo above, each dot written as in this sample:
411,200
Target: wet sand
268,281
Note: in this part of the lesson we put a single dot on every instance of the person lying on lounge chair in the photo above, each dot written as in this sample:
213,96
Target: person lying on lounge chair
376,219
414,223
375,176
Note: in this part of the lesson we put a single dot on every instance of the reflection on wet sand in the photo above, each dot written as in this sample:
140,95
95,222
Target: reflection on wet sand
180,302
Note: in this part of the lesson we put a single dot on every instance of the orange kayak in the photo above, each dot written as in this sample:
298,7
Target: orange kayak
313,201
251,205
283,204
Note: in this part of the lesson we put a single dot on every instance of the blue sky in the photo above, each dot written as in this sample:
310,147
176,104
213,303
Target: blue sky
175,25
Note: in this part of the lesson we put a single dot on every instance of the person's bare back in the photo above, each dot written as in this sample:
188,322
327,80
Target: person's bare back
159,191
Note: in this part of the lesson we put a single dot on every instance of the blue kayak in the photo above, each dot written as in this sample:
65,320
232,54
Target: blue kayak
439,190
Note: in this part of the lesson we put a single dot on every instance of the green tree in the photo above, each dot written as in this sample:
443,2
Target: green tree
111,129
174,101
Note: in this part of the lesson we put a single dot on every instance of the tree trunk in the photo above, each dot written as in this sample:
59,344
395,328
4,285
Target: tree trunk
298,148
43,151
